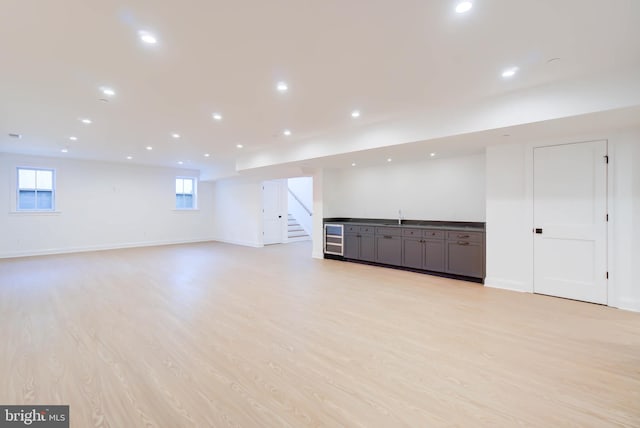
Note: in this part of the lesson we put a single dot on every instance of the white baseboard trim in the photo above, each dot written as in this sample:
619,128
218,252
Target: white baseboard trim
316,255
629,305
104,247
506,284
237,242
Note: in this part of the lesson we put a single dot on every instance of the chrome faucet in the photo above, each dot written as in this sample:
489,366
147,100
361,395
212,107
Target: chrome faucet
399,216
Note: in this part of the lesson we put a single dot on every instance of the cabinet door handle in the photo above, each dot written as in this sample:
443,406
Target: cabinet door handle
387,237
462,243
358,236
463,236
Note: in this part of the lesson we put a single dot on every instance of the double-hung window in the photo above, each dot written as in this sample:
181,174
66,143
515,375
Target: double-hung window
185,193
36,189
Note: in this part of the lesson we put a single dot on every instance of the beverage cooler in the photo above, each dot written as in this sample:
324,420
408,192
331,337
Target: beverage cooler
334,239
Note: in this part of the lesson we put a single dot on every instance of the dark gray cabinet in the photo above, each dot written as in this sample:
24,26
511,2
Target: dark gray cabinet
359,243
367,247
413,253
455,252
434,255
423,249
465,254
351,246
389,245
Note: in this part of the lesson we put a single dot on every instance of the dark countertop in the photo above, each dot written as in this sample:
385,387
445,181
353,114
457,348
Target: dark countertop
418,224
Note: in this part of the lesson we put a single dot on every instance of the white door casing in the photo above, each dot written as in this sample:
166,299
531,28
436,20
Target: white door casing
570,221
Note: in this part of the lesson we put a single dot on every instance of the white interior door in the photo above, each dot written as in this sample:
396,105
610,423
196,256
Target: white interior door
272,212
570,209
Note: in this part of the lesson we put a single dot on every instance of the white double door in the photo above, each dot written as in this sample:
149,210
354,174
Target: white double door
570,220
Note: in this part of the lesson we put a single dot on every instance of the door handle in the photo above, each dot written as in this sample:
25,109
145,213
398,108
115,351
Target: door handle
539,230
279,216
462,243
387,237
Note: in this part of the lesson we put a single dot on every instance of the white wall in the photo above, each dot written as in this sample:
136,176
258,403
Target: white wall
237,211
510,218
509,244
100,205
624,216
449,189
318,221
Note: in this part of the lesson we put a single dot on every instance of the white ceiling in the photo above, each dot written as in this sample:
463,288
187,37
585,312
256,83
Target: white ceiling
389,59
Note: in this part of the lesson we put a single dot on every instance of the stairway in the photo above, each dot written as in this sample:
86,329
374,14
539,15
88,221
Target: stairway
295,232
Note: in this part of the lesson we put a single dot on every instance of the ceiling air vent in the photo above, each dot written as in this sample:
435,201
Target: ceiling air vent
13,135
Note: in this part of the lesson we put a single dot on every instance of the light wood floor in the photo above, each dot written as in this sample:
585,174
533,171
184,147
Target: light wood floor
219,335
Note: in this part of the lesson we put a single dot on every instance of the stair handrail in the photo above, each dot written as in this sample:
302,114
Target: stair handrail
300,202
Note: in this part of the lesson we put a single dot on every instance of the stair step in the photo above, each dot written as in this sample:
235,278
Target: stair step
298,236
295,230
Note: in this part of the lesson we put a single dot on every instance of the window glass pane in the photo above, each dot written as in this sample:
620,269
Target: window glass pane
44,179
27,199
44,200
188,201
180,201
26,179
188,185
179,185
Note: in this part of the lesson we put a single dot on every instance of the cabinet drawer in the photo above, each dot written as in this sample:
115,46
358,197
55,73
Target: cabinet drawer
367,229
464,258
351,228
460,235
389,231
434,234
412,232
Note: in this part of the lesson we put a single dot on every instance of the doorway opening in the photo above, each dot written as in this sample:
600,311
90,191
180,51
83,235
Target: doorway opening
287,210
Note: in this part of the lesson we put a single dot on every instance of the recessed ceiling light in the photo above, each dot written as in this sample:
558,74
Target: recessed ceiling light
14,135
108,91
149,148
72,138
86,121
355,113
176,136
389,159
129,157
217,116
64,150
510,72
282,87
180,162
239,146
147,37
353,164
432,154
464,6
206,155
286,132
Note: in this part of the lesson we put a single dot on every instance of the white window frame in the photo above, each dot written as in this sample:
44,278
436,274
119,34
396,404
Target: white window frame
194,181
53,190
